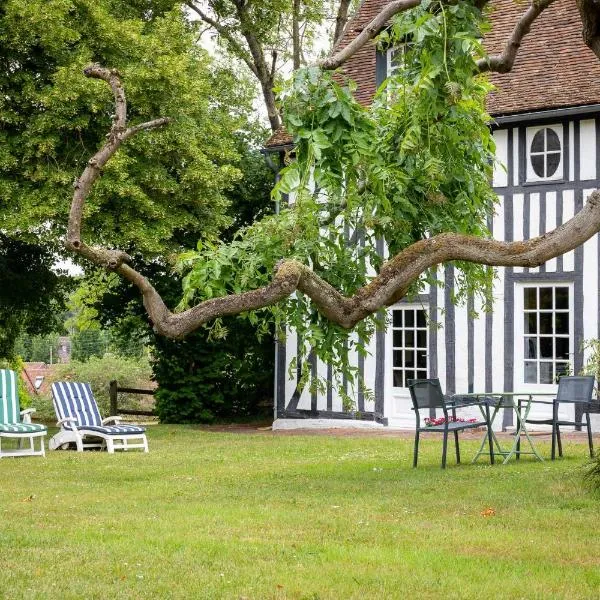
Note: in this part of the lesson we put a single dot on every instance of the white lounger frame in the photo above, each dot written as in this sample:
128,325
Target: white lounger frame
31,451
110,442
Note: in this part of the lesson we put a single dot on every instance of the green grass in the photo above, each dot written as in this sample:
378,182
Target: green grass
226,515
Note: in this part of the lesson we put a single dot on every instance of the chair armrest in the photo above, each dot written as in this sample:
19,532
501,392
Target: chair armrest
66,420
114,419
26,414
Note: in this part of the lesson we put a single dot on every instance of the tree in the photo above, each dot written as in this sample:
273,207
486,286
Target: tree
50,117
414,171
31,294
267,34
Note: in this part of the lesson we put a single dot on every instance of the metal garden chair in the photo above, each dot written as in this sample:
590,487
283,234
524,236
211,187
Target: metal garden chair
427,394
576,390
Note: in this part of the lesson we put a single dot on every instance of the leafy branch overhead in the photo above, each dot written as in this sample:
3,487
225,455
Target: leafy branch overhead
381,195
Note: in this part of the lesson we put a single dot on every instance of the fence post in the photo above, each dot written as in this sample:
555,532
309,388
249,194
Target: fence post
113,398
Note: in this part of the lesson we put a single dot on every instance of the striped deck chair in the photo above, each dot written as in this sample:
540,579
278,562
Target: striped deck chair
80,422
15,423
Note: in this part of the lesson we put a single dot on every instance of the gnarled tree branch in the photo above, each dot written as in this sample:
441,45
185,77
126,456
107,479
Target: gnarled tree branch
503,63
590,18
391,284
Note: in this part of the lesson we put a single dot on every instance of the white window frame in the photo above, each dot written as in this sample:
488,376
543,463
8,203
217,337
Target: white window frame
531,175
520,335
418,373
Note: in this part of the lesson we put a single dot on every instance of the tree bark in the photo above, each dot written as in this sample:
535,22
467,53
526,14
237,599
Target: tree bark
590,18
340,21
296,34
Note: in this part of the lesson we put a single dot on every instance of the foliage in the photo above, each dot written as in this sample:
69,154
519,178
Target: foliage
202,380
16,364
38,348
52,119
99,371
32,294
417,162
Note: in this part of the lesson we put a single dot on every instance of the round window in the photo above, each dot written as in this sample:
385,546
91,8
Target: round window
545,153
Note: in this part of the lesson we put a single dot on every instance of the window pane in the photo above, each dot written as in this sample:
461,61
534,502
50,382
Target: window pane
552,140
546,350
530,372
562,368
398,378
421,320
537,144
530,298
531,347
397,339
409,358
562,297
546,298
552,165
562,347
398,358
397,318
561,322
409,339
421,339
409,374
546,372
546,323
409,318
421,359
537,162
530,322
421,374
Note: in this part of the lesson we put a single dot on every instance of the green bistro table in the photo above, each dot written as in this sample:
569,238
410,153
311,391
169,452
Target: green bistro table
520,403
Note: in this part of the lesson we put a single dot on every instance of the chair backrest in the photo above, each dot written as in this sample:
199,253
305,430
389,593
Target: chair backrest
576,389
426,393
9,397
74,399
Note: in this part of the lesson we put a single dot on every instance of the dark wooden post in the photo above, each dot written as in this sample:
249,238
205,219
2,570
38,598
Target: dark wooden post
113,398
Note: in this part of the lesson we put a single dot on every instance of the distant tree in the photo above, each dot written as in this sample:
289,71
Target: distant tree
32,294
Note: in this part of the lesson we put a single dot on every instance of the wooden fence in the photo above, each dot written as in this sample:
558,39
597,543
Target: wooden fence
114,390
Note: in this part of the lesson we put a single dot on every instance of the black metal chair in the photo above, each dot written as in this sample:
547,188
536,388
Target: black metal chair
575,390
427,394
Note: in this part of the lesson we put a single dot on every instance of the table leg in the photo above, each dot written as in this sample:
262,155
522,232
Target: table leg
522,429
484,439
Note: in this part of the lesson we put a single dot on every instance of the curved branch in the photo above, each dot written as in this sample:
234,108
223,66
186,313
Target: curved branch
368,33
503,63
118,133
590,18
389,286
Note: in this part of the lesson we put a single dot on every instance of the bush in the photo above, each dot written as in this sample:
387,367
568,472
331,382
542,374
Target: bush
98,372
201,380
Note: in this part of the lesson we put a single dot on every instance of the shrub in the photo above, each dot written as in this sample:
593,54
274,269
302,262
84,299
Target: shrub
98,372
591,473
202,380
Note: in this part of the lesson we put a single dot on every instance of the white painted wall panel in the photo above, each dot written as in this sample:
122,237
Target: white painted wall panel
551,224
500,178
497,341
534,221
518,201
568,212
515,161
461,349
590,285
571,130
479,349
587,154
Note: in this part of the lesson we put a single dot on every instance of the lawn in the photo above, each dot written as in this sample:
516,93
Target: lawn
230,515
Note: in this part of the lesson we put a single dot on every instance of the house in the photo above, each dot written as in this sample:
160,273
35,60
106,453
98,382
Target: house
547,131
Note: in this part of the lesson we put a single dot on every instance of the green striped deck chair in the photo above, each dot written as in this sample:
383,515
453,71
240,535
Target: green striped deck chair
15,423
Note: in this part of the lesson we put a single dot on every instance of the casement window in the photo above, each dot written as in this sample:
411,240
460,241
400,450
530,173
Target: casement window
545,153
409,345
547,335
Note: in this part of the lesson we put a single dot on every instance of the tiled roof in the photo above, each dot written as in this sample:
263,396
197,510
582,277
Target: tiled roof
553,69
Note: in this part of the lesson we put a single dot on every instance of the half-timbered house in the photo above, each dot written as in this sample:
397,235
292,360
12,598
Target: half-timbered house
547,131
